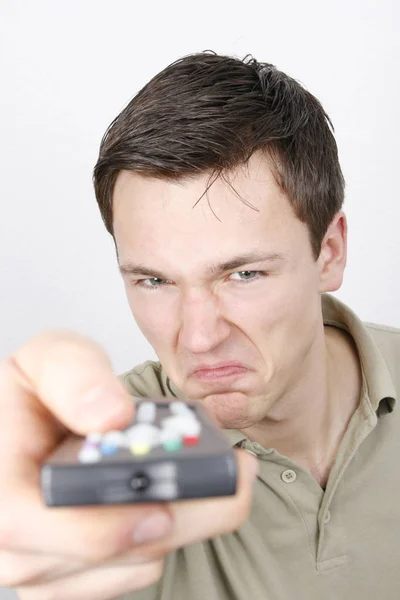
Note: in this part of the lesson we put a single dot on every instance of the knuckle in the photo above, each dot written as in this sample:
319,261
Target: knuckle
93,549
149,554
88,553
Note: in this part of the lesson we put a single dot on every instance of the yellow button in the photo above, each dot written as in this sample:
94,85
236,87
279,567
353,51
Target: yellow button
289,476
327,517
139,449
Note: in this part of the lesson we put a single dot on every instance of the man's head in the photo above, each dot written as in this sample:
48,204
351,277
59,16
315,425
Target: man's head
207,113
221,185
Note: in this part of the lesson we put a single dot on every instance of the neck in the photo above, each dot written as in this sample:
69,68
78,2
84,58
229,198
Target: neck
308,424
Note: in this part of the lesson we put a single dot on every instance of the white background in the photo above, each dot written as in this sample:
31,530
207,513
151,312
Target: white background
68,67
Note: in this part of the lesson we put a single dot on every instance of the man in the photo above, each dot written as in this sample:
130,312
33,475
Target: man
221,186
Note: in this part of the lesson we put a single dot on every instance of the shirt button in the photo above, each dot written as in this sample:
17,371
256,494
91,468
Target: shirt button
327,517
289,476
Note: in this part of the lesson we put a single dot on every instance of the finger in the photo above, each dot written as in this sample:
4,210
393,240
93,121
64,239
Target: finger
100,583
17,568
197,520
94,534
200,520
90,534
29,568
71,377
57,369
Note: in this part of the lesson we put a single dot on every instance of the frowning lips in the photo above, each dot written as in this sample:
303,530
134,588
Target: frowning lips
218,370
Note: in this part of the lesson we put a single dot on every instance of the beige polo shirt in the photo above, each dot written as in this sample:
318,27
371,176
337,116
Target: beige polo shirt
301,542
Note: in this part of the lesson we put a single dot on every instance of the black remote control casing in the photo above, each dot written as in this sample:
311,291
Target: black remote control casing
206,469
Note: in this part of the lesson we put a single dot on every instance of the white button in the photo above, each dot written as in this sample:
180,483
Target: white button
289,476
182,425
180,408
327,517
146,413
169,435
89,454
143,433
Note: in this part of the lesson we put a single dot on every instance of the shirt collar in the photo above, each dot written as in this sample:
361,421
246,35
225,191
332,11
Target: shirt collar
379,382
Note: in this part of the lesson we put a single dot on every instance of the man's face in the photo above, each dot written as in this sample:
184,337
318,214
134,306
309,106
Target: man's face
227,296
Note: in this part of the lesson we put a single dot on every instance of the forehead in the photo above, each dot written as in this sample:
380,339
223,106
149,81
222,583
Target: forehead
159,219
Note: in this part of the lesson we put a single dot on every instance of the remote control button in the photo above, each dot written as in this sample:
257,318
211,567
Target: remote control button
163,471
108,449
170,439
146,412
172,445
182,425
89,454
167,434
143,433
139,449
115,438
165,490
94,438
87,444
181,408
191,440
139,482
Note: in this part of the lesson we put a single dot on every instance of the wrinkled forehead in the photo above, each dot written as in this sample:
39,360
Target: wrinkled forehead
156,218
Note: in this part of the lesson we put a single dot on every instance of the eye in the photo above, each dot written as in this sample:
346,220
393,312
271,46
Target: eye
151,282
244,276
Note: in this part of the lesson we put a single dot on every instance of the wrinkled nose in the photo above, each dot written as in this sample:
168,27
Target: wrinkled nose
203,327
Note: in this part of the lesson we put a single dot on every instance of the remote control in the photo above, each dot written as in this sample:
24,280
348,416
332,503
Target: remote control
171,451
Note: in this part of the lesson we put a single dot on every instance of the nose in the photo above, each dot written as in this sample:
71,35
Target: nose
203,327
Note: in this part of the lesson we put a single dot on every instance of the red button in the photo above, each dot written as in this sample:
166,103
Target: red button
191,440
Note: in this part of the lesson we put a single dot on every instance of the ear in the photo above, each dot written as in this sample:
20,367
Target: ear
333,255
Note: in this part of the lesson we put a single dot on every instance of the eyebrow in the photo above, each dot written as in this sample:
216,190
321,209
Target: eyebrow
130,268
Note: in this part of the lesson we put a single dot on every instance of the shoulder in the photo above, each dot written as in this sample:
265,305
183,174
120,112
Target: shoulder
387,338
144,380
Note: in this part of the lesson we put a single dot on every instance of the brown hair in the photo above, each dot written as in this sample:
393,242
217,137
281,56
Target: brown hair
209,113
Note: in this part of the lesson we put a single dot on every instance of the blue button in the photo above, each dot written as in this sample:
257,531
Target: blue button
108,449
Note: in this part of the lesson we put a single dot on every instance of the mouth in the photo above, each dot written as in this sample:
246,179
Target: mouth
219,371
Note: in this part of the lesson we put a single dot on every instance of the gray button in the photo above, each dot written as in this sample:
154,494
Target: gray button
289,476
327,517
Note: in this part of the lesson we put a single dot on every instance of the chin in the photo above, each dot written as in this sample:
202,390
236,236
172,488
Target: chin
231,410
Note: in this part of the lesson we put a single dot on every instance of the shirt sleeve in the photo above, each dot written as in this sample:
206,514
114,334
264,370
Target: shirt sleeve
144,381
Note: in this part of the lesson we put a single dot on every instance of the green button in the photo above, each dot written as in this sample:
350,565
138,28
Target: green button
172,445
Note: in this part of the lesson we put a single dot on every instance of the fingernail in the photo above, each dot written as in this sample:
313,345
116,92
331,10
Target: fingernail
103,404
152,528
